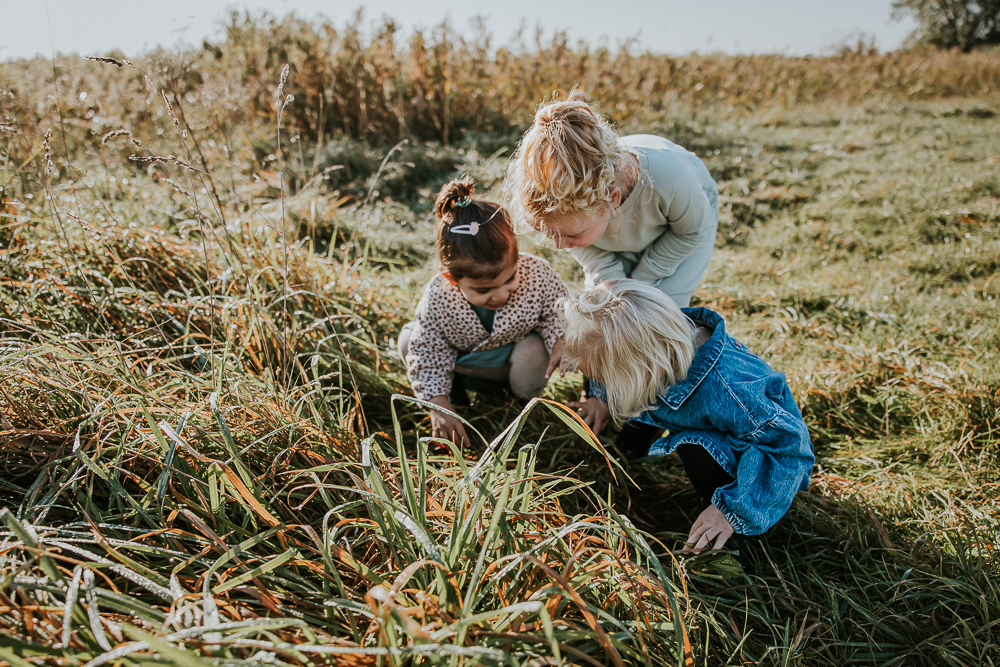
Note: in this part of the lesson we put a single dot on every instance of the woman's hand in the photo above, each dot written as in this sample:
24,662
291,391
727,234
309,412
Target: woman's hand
556,360
445,426
710,525
594,412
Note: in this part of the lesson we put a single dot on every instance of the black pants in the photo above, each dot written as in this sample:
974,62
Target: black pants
705,473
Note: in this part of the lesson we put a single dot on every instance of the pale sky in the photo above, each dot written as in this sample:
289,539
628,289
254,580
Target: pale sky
794,27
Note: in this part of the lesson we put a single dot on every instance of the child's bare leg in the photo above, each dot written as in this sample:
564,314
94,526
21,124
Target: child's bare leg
528,362
403,343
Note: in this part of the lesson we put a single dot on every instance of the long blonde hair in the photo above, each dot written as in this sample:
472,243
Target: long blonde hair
633,338
566,162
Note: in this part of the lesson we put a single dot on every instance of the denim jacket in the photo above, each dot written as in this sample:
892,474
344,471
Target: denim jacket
742,412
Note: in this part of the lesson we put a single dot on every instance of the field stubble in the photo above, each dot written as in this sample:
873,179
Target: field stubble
203,460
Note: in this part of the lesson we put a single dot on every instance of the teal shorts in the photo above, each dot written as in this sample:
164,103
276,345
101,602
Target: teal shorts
494,358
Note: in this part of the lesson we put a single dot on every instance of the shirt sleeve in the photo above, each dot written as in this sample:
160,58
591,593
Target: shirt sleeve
596,389
551,324
430,363
598,265
776,459
690,217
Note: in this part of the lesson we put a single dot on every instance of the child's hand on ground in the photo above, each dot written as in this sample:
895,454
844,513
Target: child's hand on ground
710,525
556,360
594,412
445,426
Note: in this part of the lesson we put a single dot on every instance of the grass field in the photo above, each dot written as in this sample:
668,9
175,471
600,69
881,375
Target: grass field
204,460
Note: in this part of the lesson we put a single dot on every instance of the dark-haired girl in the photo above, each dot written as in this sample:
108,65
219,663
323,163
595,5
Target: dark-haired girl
488,319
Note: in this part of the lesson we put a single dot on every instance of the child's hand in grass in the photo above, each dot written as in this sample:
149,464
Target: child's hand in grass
710,525
445,426
594,412
556,360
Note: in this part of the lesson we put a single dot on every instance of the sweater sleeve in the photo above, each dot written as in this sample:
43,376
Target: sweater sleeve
598,265
551,324
430,362
690,217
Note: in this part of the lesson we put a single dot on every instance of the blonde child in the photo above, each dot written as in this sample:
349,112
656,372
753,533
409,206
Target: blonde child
488,320
730,417
636,207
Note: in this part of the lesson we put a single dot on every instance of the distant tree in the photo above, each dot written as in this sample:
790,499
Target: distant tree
947,24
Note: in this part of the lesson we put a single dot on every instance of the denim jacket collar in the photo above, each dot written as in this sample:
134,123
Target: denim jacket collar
704,359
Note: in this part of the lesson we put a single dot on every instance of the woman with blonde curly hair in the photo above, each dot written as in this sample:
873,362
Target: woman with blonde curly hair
637,206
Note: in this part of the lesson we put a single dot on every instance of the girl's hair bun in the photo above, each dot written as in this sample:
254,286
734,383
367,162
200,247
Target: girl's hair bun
569,110
474,237
457,192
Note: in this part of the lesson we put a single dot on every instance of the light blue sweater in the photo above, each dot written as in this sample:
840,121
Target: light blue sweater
668,216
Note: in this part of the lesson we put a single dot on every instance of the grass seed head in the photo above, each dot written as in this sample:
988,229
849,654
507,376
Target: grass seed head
47,147
281,82
120,133
170,108
109,61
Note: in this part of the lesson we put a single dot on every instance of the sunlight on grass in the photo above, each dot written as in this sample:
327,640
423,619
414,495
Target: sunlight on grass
208,457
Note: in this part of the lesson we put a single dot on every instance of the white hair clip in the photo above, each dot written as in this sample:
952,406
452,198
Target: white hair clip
471,229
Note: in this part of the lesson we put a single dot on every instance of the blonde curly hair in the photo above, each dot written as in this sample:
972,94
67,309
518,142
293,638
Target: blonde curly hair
633,338
566,162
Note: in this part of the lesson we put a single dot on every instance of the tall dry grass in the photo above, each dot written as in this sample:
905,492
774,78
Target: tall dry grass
367,81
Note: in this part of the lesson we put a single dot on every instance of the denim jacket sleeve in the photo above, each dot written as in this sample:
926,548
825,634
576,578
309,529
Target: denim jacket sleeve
596,389
769,444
